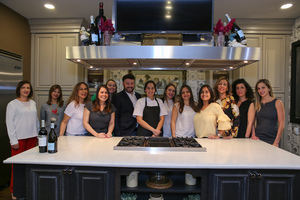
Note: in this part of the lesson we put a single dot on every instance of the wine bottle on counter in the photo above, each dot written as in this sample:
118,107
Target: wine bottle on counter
42,138
94,38
99,22
239,34
52,140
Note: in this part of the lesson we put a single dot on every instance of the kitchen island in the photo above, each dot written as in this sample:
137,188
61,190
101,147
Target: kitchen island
89,168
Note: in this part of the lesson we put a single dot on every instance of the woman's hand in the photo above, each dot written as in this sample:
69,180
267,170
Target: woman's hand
108,135
101,135
276,144
15,146
213,137
156,132
253,137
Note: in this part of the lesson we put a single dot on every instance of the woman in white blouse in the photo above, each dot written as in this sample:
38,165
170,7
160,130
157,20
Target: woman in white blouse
149,112
183,114
22,123
72,122
168,99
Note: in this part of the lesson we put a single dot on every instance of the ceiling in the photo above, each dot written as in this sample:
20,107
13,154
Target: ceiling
84,8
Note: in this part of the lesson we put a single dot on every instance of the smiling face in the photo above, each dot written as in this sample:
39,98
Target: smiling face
185,94
55,94
263,90
112,87
25,90
222,87
170,92
103,94
150,90
128,85
82,92
241,90
205,94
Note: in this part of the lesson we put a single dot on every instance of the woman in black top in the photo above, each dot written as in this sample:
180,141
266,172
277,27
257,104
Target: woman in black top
99,116
243,94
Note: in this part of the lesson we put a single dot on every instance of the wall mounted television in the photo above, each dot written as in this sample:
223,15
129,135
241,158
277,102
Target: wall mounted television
163,16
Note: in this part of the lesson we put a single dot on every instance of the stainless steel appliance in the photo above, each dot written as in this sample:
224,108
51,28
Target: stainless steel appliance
11,72
140,143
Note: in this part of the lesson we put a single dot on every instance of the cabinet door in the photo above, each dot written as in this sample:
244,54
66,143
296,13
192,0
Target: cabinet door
44,60
47,184
92,184
229,186
67,72
275,60
253,72
277,186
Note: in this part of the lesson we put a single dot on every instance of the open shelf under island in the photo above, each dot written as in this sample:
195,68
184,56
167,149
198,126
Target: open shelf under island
89,168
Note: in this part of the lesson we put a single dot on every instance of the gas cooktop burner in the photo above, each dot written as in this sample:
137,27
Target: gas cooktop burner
158,143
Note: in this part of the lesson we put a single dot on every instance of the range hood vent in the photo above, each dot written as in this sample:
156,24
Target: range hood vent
163,57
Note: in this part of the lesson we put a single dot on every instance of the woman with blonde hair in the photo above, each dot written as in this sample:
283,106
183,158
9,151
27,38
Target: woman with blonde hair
269,114
72,122
227,103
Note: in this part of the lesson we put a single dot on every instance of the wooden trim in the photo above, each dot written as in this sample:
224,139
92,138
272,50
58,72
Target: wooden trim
55,25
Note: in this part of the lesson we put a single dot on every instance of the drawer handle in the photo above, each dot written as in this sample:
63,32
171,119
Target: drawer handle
69,171
252,175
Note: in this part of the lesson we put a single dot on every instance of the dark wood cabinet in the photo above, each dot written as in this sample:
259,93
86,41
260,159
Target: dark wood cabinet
68,183
83,183
253,185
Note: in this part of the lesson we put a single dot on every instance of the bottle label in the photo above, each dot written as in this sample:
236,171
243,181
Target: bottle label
94,37
42,140
241,34
51,146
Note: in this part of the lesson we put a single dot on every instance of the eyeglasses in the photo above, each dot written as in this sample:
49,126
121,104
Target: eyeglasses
83,89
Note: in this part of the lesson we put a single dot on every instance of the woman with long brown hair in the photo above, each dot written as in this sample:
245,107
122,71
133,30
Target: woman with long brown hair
169,100
72,121
183,114
210,115
53,110
99,116
269,114
227,103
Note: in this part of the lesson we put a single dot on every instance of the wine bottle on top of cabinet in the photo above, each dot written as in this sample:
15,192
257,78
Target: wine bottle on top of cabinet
52,140
42,138
94,38
99,22
239,34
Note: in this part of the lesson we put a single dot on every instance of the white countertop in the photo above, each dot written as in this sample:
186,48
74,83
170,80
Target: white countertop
220,154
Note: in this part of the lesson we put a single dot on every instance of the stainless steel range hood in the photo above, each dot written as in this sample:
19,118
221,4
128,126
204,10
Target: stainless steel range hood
162,57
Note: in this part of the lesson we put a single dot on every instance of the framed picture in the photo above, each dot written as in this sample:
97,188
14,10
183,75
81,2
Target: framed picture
161,78
295,84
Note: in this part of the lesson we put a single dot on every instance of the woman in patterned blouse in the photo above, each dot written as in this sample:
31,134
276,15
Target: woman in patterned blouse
227,102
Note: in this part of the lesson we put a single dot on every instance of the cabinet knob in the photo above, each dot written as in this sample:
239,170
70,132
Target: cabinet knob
252,175
69,171
257,174
65,171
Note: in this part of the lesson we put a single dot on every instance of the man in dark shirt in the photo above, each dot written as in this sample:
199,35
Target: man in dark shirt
124,101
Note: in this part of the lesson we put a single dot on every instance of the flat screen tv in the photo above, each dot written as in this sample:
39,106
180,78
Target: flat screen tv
163,16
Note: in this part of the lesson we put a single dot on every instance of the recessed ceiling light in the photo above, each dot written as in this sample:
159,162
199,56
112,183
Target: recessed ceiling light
135,63
286,6
78,60
187,63
168,16
49,6
91,67
245,61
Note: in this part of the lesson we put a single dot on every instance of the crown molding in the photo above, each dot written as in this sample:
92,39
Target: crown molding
55,25
267,26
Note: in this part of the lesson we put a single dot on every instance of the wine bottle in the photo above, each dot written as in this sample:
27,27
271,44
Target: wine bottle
98,22
52,140
42,138
240,37
93,32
